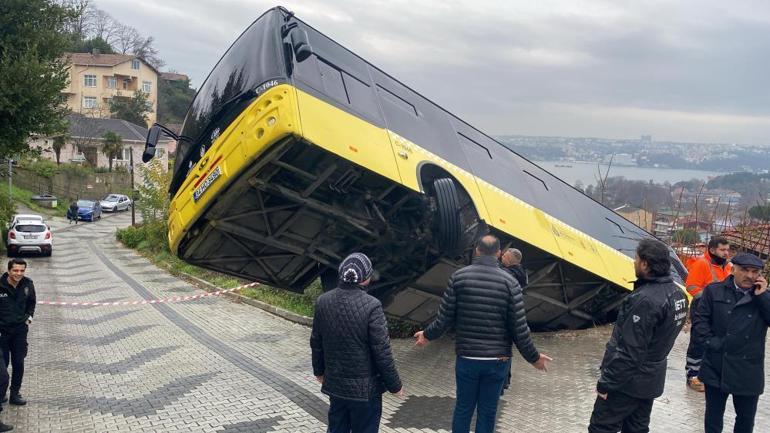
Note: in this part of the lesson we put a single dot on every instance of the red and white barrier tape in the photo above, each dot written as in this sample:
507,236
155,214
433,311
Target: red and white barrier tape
148,301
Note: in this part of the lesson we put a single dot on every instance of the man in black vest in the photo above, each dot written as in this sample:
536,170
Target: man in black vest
731,323
17,306
352,359
633,370
485,306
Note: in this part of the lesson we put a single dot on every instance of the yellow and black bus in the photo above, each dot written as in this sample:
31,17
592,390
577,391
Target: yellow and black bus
296,152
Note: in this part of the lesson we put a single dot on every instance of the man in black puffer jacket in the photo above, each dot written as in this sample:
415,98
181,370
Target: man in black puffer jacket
485,306
352,358
633,370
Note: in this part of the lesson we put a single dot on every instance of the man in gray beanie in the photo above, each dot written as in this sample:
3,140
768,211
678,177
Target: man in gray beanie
352,359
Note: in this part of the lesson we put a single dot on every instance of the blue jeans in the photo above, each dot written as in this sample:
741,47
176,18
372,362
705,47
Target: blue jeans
349,416
479,384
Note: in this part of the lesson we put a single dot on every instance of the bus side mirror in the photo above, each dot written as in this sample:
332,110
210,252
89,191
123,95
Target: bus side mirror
149,145
300,44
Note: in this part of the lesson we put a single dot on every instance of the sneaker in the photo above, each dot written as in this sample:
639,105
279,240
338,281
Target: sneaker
5,427
17,400
695,384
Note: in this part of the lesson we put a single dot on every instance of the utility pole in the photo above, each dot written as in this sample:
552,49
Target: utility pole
10,182
133,193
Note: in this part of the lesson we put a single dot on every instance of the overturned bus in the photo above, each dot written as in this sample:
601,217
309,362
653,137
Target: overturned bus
296,152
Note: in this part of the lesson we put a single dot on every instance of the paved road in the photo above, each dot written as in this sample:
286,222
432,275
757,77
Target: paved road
212,365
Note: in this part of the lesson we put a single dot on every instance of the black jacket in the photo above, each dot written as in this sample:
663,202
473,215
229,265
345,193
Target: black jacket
485,306
16,304
732,327
518,272
350,345
648,323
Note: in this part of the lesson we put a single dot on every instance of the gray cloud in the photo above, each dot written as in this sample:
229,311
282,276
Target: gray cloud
684,70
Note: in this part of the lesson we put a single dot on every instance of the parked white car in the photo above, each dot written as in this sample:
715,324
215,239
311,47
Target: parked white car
29,236
115,202
25,217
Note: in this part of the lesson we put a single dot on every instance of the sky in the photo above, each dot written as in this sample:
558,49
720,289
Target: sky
680,70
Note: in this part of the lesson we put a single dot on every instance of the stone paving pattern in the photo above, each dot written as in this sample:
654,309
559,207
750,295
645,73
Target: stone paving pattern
212,365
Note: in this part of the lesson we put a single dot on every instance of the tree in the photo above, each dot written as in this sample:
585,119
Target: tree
174,97
89,45
113,145
760,212
685,236
134,109
126,38
153,192
144,49
58,144
32,72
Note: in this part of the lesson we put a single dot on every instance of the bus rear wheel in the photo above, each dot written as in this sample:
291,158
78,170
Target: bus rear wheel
449,226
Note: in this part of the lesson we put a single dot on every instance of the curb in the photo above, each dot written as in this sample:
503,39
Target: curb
238,298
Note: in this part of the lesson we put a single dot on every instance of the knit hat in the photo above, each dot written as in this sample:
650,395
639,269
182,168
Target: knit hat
355,269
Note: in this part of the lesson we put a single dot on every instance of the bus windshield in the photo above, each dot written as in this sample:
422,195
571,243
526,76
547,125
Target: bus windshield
254,58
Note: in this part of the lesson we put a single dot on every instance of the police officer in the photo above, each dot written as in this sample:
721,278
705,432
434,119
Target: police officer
17,306
3,385
633,370
731,322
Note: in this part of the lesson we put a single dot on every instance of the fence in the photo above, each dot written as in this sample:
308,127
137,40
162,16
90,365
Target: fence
68,185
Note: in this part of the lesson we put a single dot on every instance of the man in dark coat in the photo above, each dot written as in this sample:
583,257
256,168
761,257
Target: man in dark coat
485,306
352,358
633,370
72,212
17,306
731,322
511,262
4,384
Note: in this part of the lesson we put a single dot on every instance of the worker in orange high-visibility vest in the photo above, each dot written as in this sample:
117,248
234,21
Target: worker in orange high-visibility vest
712,267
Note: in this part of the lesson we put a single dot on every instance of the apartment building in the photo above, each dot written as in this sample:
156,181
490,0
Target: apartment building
95,79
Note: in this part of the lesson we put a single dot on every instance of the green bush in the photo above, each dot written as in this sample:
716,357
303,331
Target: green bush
42,167
130,236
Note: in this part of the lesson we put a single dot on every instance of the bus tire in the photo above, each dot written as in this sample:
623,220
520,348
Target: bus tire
448,212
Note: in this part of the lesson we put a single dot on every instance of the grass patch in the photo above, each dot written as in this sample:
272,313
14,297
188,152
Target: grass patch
24,197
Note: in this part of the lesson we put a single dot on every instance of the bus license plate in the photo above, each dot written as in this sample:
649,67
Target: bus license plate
214,175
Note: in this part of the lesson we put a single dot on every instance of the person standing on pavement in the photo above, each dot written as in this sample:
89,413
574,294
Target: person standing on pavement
511,261
633,370
352,358
17,306
72,212
485,306
731,322
711,267
4,385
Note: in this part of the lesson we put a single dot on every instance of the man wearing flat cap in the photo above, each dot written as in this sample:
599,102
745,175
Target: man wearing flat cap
352,358
731,323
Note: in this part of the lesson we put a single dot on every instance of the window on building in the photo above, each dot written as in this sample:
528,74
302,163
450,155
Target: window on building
146,86
126,83
89,101
124,155
89,80
112,82
135,64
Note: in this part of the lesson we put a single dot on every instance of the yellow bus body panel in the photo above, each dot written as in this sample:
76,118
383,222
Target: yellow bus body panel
387,154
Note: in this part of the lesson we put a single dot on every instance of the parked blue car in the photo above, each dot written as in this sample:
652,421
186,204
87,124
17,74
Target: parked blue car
89,210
